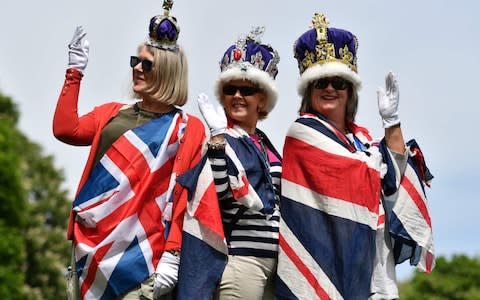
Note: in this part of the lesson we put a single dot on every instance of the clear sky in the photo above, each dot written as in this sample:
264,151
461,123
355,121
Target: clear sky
432,46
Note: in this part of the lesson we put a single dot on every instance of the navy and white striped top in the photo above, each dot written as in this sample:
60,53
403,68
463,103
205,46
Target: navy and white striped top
249,232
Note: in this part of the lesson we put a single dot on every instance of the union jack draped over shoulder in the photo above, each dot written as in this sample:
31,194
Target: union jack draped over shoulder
331,210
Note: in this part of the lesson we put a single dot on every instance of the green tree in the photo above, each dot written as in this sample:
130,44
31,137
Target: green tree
454,279
12,205
34,212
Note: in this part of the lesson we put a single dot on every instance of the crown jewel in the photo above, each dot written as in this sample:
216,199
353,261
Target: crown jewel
248,52
323,44
163,29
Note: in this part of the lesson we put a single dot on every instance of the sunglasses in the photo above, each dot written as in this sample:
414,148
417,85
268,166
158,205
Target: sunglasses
146,64
231,90
336,82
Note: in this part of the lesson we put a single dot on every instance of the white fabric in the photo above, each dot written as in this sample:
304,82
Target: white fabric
166,275
215,117
388,100
78,50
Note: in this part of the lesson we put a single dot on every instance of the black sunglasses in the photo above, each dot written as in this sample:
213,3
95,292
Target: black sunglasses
336,82
146,64
244,90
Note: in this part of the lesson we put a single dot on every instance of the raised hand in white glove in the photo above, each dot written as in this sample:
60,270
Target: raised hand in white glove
215,117
166,275
78,50
388,101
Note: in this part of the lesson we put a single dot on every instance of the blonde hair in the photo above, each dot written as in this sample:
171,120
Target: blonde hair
168,82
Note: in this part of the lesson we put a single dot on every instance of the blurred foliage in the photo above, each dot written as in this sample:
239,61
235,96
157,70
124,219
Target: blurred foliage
457,278
33,216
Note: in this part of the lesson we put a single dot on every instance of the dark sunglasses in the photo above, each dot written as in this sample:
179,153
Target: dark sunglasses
336,82
244,90
146,64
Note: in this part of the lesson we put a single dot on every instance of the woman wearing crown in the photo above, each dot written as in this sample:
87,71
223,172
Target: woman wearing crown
127,216
246,167
351,208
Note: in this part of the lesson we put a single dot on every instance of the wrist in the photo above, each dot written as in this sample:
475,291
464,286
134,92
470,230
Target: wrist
217,143
174,252
217,131
391,121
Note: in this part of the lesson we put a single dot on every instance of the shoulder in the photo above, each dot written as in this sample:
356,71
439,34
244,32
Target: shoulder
110,107
195,122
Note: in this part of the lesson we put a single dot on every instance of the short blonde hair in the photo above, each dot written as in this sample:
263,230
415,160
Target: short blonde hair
169,78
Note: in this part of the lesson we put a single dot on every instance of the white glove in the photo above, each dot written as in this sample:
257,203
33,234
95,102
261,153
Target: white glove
388,101
78,50
215,117
166,275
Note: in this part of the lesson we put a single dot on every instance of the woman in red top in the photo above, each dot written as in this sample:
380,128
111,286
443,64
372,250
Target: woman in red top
127,216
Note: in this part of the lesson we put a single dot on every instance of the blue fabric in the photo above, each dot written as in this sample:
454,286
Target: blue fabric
257,170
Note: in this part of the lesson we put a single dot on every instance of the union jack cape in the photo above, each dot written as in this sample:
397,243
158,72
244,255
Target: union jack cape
124,209
204,248
331,209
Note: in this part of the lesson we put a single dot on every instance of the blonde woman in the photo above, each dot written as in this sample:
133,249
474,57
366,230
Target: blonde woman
127,216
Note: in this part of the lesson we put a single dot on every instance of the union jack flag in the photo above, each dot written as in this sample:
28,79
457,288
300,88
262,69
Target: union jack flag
204,248
124,208
330,213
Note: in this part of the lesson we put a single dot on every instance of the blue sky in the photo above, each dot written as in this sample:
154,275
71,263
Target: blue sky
432,46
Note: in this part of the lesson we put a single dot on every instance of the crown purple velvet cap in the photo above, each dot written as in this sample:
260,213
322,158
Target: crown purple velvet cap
164,30
325,52
249,59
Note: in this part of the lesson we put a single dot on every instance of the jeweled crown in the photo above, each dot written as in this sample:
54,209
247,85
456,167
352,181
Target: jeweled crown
323,44
163,29
249,52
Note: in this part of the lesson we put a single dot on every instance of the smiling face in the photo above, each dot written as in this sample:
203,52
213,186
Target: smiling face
243,101
330,102
139,77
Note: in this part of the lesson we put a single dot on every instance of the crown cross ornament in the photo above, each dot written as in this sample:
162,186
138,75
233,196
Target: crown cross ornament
320,23
163,29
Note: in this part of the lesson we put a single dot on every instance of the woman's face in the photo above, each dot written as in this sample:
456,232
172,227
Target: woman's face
242,101
139,75
330,97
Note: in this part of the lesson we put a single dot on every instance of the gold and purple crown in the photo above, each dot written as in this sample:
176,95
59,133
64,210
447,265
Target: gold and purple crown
324,52
163,29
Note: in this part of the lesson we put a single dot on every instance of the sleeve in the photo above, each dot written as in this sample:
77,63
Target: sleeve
218,163
406,209
68,127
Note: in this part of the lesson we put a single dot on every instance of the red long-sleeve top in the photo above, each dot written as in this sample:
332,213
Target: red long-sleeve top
85,130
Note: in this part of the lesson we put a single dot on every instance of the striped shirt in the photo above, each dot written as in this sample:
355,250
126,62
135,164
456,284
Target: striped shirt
250,232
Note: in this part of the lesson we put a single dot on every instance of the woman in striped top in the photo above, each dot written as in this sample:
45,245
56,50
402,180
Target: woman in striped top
246,167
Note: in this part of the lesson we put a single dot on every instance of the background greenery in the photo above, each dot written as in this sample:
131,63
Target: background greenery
33,215
34,212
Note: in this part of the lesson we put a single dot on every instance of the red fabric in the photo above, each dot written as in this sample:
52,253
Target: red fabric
85,130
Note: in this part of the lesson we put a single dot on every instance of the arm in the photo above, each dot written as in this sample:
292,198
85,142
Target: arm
394,139
217,123
216,155
67,126
388,108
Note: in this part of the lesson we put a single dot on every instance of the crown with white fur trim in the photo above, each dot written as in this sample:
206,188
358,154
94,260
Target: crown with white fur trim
251,60
326,52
